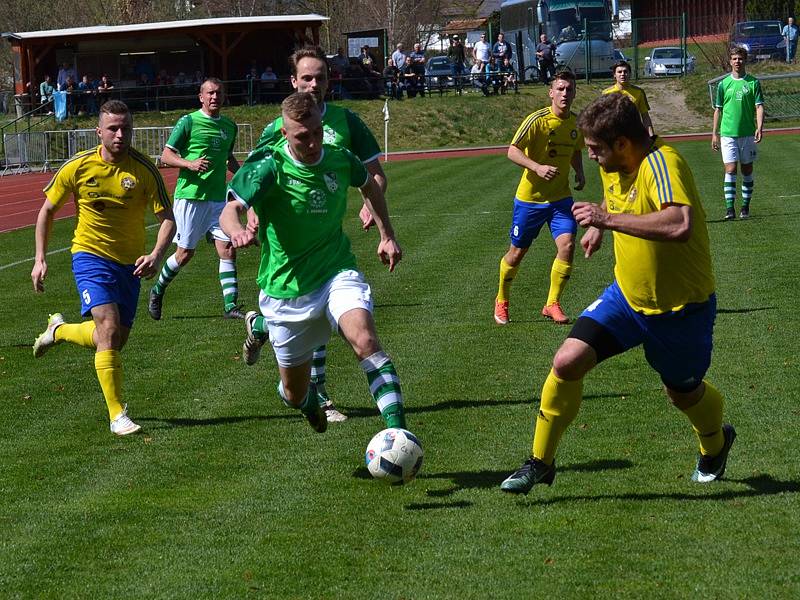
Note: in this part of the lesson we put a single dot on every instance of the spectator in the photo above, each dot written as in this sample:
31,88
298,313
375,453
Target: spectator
418,60
481,51
501,49
493,77
458,59
104,90
163,78
398,56
546,55
391,82
790,33
46,90
479,77
86,99
253,80
198,78
367,60
509,76
339,62
145,83
65,72
411,82
269,84
71,88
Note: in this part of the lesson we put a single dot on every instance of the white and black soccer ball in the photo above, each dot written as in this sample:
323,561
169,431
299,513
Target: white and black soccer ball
394,455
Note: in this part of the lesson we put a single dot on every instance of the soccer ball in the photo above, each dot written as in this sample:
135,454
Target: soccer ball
394,455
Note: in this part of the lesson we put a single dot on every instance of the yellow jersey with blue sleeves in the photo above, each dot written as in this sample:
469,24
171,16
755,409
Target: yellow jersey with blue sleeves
635,93
110,201
548,140
659,277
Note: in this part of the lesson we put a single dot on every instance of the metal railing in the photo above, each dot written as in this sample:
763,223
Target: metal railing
781,94
45,150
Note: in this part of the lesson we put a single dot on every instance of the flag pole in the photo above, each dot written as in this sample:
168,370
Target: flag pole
386,130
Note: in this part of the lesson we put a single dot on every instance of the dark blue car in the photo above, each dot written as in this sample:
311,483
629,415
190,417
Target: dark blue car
761,39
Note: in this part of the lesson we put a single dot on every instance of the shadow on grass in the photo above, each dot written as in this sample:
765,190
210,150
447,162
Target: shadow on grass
399,305
742,311
491,479
761,485
163,423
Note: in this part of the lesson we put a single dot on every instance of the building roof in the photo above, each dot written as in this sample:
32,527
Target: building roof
141,27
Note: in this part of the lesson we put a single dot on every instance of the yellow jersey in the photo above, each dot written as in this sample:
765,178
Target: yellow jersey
635,93
659,277
547,140
110,202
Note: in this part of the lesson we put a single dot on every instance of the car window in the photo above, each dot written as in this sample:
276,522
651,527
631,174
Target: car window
667,53
754,29
436,63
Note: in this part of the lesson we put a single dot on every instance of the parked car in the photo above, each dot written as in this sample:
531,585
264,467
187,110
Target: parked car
439,73
761,39
618,56
667,61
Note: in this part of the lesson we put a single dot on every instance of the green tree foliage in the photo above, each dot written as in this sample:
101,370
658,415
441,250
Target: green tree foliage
770,9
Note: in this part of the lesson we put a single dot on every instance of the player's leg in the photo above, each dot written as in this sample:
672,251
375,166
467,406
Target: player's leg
730,158
297,391
350,311
58,330
318,378
191,222
563,229
748,154
596,336
228,279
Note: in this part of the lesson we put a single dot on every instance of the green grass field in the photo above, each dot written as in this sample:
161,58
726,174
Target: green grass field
228,494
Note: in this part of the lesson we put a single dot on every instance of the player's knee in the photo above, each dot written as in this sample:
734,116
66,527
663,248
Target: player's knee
514,256
570,364
184,255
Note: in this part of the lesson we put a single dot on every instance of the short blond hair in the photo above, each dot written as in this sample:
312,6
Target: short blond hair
299,106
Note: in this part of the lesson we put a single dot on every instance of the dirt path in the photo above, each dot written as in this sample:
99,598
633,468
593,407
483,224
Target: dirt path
669,112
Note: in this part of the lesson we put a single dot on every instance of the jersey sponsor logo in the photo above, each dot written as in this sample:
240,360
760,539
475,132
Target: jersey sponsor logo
92,182
574,134
331,182
318,202
293,181
128,183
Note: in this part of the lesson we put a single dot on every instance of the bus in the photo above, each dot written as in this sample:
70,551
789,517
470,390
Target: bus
563,21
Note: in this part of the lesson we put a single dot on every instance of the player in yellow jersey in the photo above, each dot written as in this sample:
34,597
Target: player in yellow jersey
113,185
622,85
545,146
662,297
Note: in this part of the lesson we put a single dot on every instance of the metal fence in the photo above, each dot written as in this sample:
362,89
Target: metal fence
781,94
45,150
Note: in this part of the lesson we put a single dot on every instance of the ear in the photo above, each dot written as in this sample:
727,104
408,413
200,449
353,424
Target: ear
283,131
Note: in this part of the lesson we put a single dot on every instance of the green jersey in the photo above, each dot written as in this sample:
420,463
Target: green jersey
341,127
738,98
196,135
300,210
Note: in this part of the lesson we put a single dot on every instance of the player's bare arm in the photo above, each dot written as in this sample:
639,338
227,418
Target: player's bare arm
577,165
147,265
671,224
233,164
714,134
376,170
231,222
171,158
759,122
44,222
518,157
388,249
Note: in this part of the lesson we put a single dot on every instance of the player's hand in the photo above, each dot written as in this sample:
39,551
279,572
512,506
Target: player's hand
591,241
758,135
367,220
715,142
547,172
243,238
252,221
146,266
580,181
390,253
38,275
199,165
588,214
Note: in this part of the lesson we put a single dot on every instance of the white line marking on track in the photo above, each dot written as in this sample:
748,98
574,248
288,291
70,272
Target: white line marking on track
790,196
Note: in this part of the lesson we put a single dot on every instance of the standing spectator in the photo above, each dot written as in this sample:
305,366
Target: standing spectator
501,49
481,51
367,60
789,34
71,89
546,55
418,60
253,80
65,72
391,81
269,84
739,112
46,90
104,90
86,89
509,76
458,59
398,56
339,63
479,77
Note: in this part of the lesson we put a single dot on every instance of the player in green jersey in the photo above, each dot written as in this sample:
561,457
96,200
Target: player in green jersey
201,144
341,127
740,104
308,276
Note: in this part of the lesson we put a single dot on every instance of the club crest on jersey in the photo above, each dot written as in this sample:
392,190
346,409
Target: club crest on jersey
222,134
632,194
331,182
328,136
128,183
317,202
92,182
574,134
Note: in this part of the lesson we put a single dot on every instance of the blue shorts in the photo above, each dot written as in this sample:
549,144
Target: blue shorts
529,217
103,281
677,344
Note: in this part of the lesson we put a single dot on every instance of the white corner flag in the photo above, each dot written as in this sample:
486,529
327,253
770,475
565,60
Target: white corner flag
385,130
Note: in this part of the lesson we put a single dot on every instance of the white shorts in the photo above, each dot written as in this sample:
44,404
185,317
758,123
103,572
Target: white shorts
738,149
194,218
298,326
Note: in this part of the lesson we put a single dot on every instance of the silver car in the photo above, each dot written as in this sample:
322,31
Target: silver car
667,61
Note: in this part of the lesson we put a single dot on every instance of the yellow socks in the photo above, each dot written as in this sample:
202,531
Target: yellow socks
706,420
561,400
507,274
559,274
77,333
109,373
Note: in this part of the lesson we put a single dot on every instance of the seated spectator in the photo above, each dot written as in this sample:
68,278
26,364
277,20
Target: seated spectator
198,77
493,78
410,81
391,81
71,88
269,85
509,76
46,90
163,78
479,77
104,90
86,103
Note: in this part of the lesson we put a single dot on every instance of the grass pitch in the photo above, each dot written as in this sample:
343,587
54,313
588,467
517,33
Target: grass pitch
229,494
